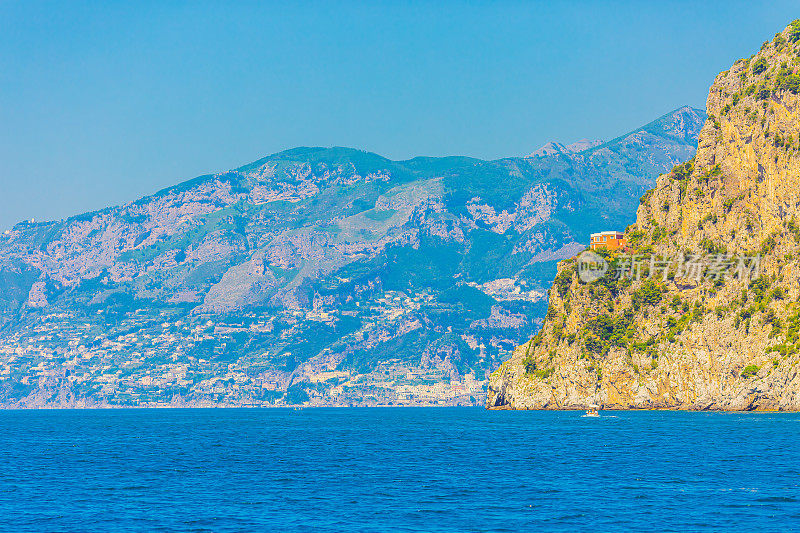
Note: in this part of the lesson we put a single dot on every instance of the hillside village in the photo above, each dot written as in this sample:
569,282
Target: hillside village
129,363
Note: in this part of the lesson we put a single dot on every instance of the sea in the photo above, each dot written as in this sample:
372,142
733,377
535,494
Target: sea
397,469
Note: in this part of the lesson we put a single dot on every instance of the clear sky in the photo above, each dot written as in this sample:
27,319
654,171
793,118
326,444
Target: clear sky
104,102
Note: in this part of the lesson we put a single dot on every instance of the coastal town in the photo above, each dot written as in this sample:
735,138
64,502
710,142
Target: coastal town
170,358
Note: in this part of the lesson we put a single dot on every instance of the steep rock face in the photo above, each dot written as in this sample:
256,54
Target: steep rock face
691,332
330,276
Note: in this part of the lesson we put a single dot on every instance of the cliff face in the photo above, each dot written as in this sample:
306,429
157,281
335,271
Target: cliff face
688,332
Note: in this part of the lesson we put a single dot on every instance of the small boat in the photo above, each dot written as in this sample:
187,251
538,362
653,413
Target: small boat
592,411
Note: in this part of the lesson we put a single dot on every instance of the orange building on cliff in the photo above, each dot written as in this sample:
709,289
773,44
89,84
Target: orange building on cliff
609,240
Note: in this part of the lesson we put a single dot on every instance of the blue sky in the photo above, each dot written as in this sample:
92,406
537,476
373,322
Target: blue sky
103,102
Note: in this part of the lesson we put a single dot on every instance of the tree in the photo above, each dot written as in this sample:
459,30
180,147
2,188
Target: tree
759,66
602,326
563,281
750,371
794,31
648,294
594,344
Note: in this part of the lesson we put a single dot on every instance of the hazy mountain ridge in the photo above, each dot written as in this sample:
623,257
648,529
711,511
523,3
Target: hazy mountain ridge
330,274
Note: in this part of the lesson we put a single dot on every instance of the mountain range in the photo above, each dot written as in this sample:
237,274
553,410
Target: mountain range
318,276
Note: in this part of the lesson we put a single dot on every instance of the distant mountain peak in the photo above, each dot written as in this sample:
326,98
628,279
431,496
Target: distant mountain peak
553,148
682,124
583,144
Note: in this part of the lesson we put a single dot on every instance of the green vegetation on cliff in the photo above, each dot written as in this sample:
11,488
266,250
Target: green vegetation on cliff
702,310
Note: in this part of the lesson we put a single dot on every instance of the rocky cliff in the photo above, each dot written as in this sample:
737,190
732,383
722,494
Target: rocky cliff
702,311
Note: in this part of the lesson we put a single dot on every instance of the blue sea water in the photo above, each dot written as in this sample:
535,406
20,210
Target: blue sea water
396,469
